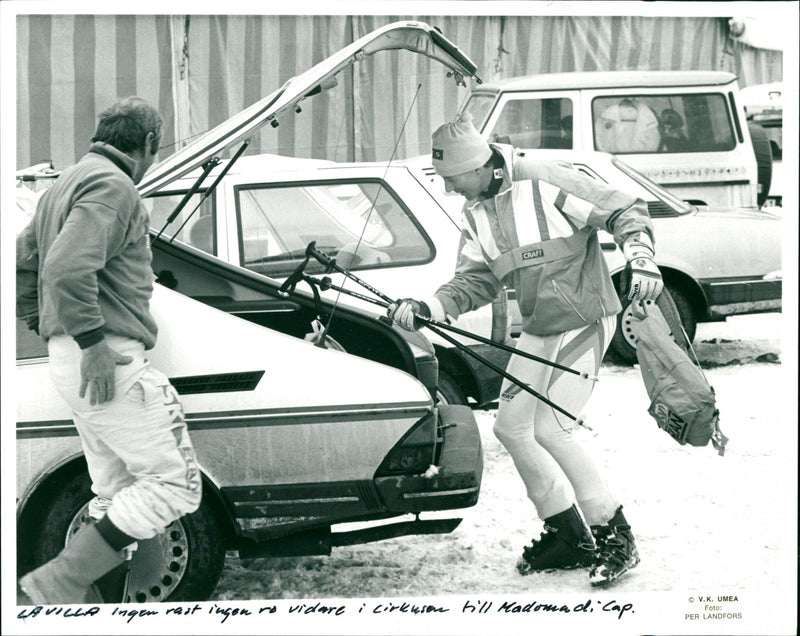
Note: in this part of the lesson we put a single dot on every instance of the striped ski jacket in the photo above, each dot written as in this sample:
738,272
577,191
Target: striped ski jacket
538,235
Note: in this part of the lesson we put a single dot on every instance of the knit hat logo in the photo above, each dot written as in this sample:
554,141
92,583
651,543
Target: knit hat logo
458,148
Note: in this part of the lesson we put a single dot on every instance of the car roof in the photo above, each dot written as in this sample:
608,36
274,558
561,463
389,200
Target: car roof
273,164
608,79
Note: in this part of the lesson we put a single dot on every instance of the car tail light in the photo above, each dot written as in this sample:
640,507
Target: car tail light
416,450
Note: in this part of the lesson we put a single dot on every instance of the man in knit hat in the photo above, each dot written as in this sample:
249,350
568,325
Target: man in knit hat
532,226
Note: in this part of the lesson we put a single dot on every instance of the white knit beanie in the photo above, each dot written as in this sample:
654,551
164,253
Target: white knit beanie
458,148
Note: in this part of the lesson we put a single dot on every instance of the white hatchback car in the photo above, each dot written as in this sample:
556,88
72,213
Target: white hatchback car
302,448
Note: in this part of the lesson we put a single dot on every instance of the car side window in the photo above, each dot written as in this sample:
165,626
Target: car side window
360,223
194,228
535,123
694,122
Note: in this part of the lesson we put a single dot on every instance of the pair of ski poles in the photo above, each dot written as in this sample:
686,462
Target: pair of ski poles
434,326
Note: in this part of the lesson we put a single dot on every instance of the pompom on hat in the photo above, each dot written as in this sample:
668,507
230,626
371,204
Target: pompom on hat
457,147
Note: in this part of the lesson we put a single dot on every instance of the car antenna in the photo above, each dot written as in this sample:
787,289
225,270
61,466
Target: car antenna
374,200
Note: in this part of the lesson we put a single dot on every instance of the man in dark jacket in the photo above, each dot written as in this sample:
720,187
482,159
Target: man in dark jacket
84,282
532,226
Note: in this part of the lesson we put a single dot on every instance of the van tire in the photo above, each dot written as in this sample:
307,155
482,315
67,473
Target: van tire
186,578
623,349
763,152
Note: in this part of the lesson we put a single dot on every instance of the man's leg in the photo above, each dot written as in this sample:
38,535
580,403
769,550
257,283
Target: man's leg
583,350
144,429
517,419
152,439
566,541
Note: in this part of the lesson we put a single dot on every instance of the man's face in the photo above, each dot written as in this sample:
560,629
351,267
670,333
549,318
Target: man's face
145,158
467,184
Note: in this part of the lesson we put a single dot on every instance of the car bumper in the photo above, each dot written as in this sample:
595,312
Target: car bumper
737,297
456,479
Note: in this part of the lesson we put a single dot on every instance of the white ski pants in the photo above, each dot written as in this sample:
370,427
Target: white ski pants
555,467
141,461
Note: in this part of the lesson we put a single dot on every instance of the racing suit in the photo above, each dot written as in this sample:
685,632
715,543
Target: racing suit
538,235
83,275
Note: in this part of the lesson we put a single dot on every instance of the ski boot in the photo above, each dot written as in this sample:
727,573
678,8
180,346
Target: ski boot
565,544
616,550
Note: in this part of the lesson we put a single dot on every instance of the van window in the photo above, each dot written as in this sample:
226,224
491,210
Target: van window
361,224
695,122
196,230
535,123
479,106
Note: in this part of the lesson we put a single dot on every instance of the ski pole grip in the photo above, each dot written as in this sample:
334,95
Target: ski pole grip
311,250
296,276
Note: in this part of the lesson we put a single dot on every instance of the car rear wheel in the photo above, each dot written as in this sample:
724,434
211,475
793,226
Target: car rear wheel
623,344
182,564
448,391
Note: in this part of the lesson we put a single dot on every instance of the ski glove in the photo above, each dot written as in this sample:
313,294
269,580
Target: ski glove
405,313
646,281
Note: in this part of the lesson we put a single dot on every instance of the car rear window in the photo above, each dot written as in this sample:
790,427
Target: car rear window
193,225
677,123
360,223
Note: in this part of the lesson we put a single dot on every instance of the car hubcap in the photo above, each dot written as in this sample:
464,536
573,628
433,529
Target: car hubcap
158,564
626,327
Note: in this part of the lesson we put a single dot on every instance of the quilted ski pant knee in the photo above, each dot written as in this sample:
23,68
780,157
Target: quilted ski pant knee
141,461
555,467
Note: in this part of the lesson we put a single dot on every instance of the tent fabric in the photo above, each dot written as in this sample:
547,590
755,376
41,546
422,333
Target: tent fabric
199,70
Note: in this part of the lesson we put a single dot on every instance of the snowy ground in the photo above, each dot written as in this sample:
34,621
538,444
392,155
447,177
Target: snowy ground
702,522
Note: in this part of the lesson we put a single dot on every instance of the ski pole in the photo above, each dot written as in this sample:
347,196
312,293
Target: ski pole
434,326
326,284
504,373
331,264
505,347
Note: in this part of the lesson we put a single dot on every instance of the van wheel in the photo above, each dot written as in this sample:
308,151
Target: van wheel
448,391
184,563
763,152
623,344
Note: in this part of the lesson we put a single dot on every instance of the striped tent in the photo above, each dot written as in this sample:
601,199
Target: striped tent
201,69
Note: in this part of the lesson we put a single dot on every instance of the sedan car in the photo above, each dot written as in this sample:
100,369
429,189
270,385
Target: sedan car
297,440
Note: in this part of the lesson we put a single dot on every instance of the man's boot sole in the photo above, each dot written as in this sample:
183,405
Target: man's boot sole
628,566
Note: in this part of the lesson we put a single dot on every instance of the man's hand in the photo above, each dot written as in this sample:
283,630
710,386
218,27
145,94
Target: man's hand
97,372
646,281
405,313
32,322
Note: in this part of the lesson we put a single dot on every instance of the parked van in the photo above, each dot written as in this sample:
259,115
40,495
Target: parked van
685,130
